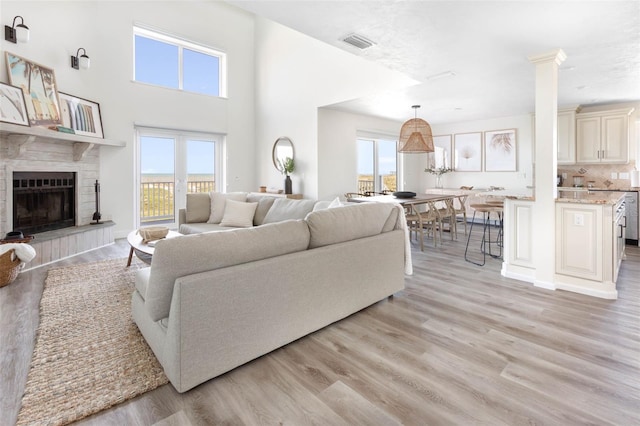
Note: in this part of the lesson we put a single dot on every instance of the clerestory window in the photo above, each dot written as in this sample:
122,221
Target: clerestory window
168,61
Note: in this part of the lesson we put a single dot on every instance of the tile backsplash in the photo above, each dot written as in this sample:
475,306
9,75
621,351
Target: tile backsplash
599,174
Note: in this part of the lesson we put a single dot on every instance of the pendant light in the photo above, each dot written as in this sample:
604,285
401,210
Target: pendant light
415,135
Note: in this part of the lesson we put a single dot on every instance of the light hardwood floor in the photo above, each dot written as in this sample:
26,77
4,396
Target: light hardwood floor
460,345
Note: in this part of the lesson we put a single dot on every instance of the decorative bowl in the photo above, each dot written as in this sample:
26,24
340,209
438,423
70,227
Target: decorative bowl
404,194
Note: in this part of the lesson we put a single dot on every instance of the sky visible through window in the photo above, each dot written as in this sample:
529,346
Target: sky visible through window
157,156
386,157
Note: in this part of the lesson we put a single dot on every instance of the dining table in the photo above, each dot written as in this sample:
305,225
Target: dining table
412,206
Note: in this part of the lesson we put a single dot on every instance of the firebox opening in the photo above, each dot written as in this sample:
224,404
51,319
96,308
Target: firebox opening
43,201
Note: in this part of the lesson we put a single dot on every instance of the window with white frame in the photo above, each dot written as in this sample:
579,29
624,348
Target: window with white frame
377,164
171,164
167,61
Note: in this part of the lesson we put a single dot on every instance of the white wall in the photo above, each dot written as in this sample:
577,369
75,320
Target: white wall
337,149
104,29
510,180
295,76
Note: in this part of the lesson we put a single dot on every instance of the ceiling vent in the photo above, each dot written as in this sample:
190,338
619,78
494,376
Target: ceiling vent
358,41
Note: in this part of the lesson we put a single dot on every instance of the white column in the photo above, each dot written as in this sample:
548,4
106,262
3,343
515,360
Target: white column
545,165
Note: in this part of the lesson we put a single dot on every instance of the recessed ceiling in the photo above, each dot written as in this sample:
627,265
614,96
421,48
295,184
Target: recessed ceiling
471,56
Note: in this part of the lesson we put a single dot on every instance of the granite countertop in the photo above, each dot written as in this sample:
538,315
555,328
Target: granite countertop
591,197
611,188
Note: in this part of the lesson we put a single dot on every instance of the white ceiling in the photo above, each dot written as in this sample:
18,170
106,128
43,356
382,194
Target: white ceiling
486,45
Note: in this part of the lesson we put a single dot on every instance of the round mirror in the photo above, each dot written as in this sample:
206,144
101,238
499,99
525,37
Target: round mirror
282,148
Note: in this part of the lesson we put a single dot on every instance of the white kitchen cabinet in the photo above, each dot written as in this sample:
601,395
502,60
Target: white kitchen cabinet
603,137
589,247
567,136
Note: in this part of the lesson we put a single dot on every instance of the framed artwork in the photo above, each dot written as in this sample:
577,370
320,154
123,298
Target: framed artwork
81,115
13,108
500,151
467,152
38,84
442,155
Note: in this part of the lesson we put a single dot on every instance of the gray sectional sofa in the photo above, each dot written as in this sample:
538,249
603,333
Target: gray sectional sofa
205,211
213,301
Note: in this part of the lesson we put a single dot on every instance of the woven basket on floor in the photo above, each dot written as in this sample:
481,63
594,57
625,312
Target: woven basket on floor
8,268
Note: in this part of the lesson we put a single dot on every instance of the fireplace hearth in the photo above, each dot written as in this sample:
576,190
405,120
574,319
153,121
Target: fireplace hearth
43,201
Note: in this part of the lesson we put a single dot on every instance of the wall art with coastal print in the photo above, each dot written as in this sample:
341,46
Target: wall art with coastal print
13,108
81,115
467,152
500,151
38,84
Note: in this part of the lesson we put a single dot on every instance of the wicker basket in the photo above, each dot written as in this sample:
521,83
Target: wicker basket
152,233
8,268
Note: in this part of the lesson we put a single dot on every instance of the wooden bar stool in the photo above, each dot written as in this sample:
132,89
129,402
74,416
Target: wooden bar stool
485,244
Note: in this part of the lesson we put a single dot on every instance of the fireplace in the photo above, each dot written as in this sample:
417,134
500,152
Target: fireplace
43,201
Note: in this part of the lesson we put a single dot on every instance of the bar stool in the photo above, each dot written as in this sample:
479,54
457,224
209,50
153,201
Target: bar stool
500,222
485,244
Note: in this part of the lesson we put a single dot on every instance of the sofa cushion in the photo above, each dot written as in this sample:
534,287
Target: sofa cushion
264,204
197,228
191,254
218,202
348,223
198,207
285,209
238,214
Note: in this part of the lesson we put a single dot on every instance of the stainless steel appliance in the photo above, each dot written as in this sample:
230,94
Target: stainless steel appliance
632,214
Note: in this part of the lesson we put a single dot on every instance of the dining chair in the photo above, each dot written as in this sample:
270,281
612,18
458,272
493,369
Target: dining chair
447,214
460,207
431,221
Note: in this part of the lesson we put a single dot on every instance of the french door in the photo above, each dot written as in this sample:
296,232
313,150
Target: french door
170,164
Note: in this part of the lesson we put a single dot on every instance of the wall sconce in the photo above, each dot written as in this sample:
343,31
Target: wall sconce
15,33
83,61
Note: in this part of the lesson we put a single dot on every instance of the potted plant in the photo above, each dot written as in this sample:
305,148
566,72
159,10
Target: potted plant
438,171
286,167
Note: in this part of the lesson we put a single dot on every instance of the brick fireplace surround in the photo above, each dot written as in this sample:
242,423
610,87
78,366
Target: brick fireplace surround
49,155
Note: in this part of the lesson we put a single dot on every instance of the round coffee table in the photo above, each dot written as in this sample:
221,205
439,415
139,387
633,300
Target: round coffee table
143,251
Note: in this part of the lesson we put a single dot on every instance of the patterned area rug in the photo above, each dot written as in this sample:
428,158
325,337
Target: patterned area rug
89,354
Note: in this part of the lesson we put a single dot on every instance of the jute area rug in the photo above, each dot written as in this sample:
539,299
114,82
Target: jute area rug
89,354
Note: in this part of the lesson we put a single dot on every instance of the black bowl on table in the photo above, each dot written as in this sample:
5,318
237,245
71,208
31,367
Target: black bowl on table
404,194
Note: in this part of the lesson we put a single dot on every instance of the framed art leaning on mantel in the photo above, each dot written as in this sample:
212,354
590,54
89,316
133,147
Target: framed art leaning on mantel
81,115
13,108
38,84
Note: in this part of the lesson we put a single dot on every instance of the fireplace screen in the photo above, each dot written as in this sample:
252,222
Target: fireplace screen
43,201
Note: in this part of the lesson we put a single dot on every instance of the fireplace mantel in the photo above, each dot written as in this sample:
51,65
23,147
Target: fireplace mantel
20,137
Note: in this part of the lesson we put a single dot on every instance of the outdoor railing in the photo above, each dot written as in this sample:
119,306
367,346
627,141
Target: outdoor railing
157,199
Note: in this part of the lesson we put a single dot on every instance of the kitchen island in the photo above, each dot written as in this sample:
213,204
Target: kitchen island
590,242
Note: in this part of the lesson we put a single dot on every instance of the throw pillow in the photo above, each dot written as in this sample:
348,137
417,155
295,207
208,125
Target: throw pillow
198,207
285,209
238,214
218,201
336,203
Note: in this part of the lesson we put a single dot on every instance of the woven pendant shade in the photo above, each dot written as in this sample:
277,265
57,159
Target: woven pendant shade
415,136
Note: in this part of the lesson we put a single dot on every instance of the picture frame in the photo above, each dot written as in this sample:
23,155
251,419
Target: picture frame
13,108
467,152
500,150
38,84
441,157
81,115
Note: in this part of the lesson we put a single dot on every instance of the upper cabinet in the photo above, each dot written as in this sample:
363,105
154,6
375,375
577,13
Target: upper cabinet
603,137
567,136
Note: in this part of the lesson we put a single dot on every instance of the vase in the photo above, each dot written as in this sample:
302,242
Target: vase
438,181
287,185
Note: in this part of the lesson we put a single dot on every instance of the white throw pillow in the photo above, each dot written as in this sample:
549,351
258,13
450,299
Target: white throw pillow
335,203
218,201
238,214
